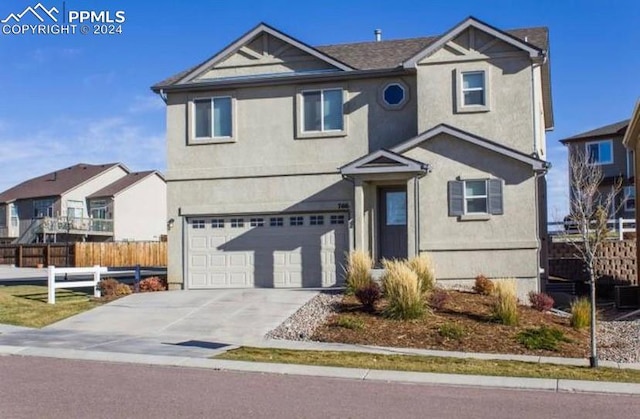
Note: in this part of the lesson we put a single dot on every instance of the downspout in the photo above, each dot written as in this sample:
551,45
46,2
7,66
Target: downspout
416,204
538,175
534,102
352,244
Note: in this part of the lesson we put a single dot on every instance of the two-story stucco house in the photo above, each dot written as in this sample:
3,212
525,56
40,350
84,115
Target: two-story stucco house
85,202
604,147
283,156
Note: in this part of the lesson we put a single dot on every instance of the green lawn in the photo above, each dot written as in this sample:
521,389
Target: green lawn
26,305
430,364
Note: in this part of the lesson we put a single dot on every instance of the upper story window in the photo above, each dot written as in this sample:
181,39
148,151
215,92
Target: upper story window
629,198
212,119
322,110
43,208
98,209
472,91
394,95
473,88
600,152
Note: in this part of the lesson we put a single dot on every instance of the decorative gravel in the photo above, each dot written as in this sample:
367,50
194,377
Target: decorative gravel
302,323
619,341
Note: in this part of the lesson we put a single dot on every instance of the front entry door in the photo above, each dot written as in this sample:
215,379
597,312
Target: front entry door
392,228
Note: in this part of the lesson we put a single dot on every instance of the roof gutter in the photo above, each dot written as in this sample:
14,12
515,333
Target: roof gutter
279,80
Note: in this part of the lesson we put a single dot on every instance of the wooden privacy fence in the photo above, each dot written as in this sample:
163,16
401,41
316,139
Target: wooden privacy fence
85,254
121,254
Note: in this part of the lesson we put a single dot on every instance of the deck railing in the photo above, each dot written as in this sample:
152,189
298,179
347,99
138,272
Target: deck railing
617,228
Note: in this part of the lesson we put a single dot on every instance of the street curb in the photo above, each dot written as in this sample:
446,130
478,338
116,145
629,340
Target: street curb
554,385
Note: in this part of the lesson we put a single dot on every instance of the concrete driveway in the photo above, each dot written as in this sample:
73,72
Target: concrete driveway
189,323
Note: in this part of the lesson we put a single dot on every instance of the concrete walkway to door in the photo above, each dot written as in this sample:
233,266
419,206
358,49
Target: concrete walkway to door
177,323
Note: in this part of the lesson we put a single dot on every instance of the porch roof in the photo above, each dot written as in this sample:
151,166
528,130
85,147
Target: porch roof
384,162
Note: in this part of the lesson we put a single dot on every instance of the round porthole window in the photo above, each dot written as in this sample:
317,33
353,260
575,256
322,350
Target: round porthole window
394,95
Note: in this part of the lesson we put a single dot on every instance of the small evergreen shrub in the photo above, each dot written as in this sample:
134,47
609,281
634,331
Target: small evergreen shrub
483,285
505,308
368,295
423,267
152,284
358,271
452,331
541,301
580,313
349,322
108,287
544,337
438,299
402,290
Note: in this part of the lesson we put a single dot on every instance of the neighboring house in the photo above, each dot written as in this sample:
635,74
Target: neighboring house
283,156
66,205
604,147
631,140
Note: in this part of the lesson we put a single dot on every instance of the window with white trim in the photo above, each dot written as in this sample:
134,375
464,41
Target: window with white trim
98,209
336,219
629,198
276,221
473,88
197,224
256,222
316,220
43,208
296,221
213,118
322,110
217,223
237,222
475,197
600,152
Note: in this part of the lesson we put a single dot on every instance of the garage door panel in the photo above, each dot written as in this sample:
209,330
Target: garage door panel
266,256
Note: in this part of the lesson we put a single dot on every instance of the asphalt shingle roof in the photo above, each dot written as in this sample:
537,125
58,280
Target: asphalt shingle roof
121,184
55,183
615,129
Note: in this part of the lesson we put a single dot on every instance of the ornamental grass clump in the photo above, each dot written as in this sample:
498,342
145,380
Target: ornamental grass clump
358,271
422,265
505,307
580,313
402,291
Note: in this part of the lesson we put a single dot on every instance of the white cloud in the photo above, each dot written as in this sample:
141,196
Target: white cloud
150,102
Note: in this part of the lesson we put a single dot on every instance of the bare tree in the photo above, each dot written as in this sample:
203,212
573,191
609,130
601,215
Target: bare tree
591,204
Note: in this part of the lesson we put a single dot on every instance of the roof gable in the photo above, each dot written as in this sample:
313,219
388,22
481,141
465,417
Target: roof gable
383,161
465,25
535,163
247,48
124,183
612,130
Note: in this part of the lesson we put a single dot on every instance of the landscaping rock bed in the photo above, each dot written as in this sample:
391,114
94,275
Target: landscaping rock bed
619,341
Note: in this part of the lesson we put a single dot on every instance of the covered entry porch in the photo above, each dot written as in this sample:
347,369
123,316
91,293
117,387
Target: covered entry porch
386,214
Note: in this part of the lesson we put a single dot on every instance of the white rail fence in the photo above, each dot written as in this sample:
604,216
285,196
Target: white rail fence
69,282
617,227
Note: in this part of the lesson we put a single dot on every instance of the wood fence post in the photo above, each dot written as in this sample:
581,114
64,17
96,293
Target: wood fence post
47,255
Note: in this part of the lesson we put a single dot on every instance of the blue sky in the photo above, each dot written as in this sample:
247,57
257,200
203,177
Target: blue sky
85,98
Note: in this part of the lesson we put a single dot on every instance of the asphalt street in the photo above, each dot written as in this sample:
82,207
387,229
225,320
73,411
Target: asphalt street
55,388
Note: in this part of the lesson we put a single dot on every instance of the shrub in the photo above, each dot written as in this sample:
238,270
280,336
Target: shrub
368,295
438,299
540,301
352,323
358,270
423,267
123,289
108,287
483,285
541,338
452,331
402,289
580,313
505,308
152,284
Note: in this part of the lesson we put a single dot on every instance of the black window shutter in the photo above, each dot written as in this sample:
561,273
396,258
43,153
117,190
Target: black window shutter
495,197
456,198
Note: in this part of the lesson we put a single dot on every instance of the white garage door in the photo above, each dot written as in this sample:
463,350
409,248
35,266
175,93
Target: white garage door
299,250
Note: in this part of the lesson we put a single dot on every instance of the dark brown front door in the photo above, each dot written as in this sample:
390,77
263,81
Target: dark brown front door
392,228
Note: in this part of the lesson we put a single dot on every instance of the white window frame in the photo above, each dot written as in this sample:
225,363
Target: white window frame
628,191
337,219
193,139
301,133
217,223
49,207
599,142
485,196
276,222
460,105
256,222
198,224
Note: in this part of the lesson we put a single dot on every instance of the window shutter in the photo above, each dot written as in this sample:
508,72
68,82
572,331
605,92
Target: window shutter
495,197
456,198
